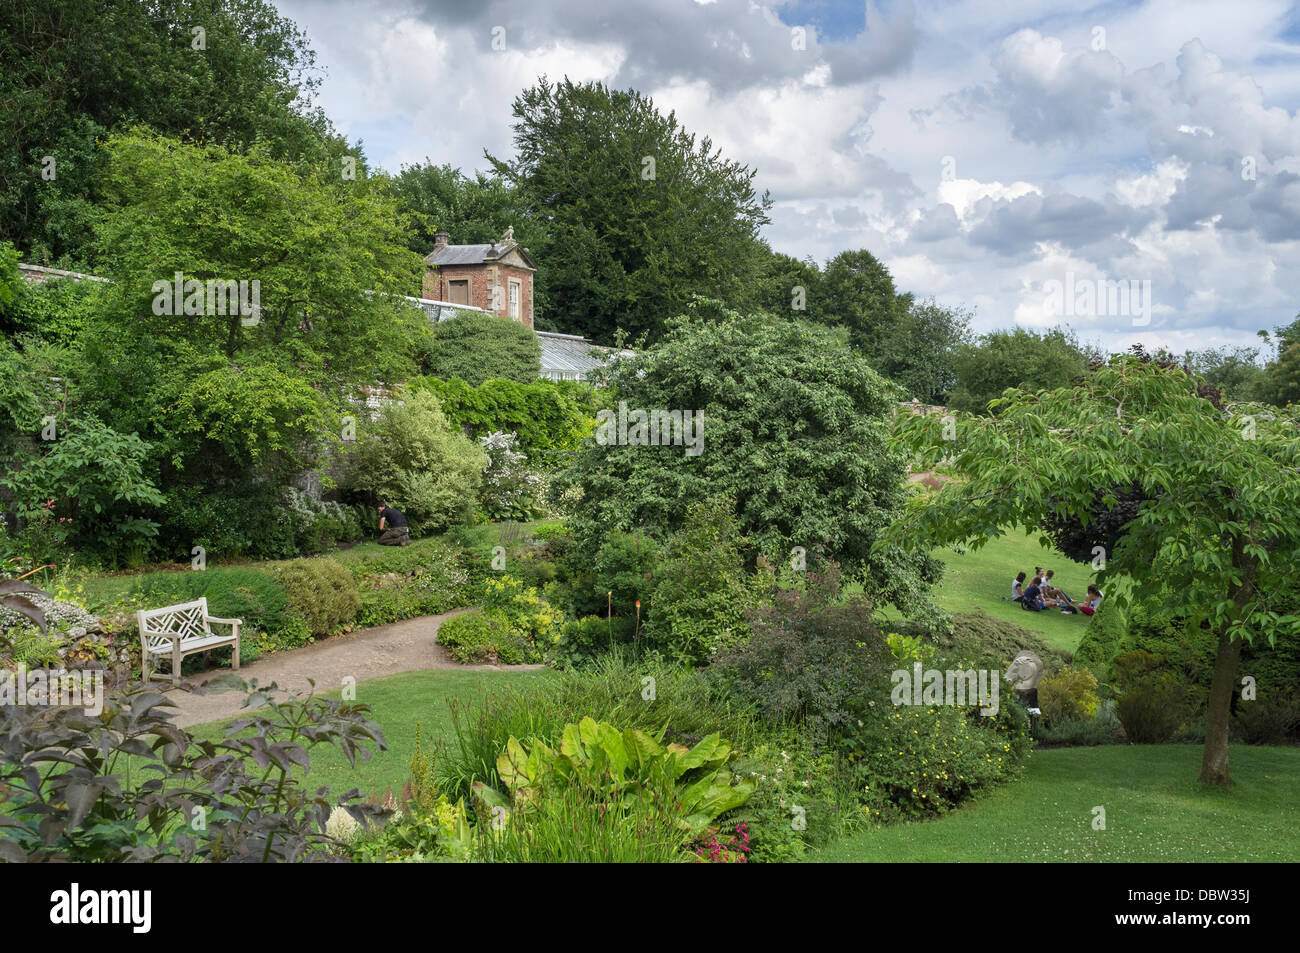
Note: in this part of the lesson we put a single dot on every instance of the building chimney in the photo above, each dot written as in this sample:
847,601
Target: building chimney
440,241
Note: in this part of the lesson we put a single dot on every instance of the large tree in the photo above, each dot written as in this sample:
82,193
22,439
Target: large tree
72,71
794,430
1221,489
634,213
329,256
1014,358
857,292
231,405
471,210
1280,384
919,351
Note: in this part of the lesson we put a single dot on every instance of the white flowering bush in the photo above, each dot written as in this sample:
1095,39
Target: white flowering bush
318,525
509,490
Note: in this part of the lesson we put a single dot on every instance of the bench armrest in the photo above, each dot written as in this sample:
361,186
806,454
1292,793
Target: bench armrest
235,623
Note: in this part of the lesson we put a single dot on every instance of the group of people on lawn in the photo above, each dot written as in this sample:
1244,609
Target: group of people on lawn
1041,594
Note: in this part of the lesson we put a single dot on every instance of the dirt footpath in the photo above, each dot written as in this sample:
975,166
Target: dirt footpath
406,646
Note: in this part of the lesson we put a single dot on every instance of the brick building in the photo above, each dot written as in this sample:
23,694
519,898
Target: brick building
497,277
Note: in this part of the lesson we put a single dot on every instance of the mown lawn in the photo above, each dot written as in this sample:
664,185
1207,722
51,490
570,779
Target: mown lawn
399,703
1156,811
980,579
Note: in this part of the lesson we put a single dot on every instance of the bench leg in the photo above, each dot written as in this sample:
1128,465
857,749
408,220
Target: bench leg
234,659
176,665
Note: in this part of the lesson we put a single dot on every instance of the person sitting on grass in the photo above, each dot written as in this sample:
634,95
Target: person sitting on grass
1092,603
1089,606
1018,587
1053,591
1033,600
393,530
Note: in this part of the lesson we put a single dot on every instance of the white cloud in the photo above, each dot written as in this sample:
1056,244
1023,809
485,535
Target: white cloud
1121,161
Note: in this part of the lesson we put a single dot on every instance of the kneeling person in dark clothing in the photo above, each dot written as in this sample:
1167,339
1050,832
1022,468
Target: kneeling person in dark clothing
393,528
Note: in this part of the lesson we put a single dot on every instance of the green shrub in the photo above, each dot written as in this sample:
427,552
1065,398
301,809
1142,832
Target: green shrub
479,636
525,612
1068,694
1103,639
477,347
1103,728
413,458
322,592
625,572
1154,708
1271,719
793,781
812,660
425,578
319,526
698,607
584,640
549,417
918,761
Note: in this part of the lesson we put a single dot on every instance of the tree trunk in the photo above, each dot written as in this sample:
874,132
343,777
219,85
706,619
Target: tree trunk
1214,766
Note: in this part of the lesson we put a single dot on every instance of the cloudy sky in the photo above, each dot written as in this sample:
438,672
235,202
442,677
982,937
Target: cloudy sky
996,155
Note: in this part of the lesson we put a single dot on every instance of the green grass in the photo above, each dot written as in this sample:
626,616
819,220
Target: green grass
979,579
399,703
1156,811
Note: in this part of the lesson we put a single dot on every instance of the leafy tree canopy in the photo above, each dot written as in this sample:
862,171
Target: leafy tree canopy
794,434
471,210
1221,490
328,256
634,214
73,71
1014,358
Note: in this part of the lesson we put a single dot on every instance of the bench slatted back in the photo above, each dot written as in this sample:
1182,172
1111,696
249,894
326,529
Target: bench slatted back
189,620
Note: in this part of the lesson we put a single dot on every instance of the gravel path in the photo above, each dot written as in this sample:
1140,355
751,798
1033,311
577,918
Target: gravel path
407,646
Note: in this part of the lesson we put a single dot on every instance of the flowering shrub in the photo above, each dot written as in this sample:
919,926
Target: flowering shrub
514,626
915,762
733,850
317,525
509,490
426,578
795,802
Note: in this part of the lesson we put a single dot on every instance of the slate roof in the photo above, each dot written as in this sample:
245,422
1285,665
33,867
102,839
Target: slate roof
476,254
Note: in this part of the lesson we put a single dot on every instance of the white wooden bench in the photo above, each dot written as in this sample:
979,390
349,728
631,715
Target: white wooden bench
177,631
